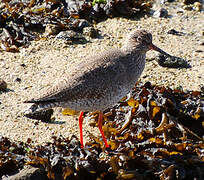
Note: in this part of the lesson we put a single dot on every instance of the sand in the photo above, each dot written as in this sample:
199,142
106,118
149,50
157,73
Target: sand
44,62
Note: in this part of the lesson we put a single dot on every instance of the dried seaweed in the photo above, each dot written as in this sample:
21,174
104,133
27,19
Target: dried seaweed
156,133
23,21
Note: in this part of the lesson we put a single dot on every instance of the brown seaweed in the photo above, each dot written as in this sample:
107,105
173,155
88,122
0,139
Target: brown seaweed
156,133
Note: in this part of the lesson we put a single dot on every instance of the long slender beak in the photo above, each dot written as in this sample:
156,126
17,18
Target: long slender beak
155,48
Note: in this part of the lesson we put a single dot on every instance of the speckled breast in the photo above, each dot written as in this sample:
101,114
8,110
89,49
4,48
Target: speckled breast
111,95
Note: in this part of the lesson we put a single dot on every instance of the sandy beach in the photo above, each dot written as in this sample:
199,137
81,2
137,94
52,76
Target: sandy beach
45,61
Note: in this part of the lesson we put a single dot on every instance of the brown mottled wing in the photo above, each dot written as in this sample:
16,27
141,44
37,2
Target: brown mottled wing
88,79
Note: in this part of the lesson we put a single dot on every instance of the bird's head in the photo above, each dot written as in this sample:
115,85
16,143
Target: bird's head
140,40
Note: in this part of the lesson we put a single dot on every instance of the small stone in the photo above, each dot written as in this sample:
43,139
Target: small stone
161,13
174,32
3,85
51,29
23,65
69,35
81,24
197,6
18,79
90,32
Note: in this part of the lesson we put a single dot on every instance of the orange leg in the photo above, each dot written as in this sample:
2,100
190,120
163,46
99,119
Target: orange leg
100,120
80,128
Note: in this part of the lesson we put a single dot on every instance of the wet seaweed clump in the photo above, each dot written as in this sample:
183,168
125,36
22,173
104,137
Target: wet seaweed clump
172,61
154,133
12,156
23,21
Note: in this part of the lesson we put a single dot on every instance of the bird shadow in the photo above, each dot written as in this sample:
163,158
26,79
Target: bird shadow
55,122
48,121
44,116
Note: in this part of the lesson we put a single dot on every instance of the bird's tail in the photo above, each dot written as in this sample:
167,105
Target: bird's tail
32,109
40,105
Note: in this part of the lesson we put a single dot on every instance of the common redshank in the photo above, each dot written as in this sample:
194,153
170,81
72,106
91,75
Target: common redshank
99,81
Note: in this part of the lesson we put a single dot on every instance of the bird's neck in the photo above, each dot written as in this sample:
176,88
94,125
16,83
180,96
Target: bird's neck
130,50
134,63
130,47
134,57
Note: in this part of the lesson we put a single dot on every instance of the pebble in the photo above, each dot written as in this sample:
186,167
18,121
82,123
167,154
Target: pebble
162,12
3,85
18,79
175,32
90,32
197,6
51,29
81,24
69,35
